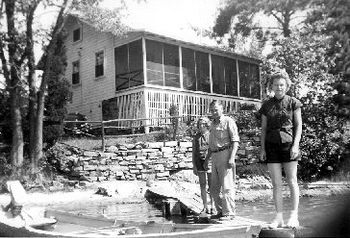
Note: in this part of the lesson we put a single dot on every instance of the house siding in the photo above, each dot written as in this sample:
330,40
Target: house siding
88,95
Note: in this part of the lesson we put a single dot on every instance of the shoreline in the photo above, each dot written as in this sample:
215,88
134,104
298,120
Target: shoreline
133,192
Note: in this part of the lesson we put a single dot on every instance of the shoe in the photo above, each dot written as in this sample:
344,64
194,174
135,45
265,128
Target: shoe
204,213
276,223
227,218
216,216
293,222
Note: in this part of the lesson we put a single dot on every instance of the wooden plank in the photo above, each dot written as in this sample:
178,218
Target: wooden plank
191,202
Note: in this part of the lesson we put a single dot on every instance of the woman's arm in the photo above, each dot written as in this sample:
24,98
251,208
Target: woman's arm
297,126
263,137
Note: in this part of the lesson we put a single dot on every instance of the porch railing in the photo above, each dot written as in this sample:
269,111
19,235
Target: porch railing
155,103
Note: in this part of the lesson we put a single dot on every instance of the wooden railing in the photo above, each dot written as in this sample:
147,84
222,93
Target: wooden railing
78,127
154,103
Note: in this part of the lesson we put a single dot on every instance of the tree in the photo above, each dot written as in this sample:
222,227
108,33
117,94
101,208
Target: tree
17,57
242,15
335,17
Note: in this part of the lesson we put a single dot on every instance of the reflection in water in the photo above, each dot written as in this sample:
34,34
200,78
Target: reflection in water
313,211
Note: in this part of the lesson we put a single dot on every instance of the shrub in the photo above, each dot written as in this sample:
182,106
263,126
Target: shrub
324,139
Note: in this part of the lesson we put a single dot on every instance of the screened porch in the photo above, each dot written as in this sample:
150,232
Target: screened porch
152,73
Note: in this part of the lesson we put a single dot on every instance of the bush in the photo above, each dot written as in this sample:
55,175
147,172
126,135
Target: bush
324,140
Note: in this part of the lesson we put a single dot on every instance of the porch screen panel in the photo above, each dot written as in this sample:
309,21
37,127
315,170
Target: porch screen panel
249,80
202,72
135,63
230,77
188,69
154,62
255,81
171,65
218,74
121,67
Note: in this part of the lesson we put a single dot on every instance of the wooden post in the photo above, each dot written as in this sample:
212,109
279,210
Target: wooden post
103,136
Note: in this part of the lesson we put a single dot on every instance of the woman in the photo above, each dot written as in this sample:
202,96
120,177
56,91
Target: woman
199,153
280,137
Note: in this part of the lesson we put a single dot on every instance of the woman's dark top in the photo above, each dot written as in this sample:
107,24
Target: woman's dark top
199,150
279,114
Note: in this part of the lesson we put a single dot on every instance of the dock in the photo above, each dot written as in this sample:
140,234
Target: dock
174,203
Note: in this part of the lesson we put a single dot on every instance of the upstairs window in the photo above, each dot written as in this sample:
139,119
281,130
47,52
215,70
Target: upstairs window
75,72
77,35
99,62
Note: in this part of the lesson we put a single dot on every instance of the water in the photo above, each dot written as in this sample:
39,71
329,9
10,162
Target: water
312,210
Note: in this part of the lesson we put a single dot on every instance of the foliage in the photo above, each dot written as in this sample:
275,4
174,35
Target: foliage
334,15
242,15
302,56
104,20
5,127
57,96
174,113
247,121
324,140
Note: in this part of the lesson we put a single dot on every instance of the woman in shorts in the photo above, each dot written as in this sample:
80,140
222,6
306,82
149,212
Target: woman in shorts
280,137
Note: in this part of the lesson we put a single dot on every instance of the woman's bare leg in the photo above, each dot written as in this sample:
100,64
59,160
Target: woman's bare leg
275,170
291,173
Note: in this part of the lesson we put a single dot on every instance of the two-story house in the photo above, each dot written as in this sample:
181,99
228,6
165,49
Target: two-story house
141,74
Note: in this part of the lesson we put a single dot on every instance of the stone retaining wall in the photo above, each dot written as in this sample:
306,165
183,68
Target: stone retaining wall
156,160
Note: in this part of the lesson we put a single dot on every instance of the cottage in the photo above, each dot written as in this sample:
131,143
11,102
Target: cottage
141,74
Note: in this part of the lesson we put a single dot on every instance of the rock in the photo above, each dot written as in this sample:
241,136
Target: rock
109,191
112,149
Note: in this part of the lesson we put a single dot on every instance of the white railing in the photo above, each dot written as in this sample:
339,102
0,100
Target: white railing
155,102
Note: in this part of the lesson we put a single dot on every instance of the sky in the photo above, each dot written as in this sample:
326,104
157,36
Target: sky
173,18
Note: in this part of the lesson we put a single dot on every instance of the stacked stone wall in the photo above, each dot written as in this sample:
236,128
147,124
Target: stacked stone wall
156,160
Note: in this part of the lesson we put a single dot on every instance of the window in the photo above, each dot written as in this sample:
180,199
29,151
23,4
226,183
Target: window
128,65
135,63
202,72
99,62
218,74
171,65
230,77
75,72
162,64
188,69
249,80
77,35
154,62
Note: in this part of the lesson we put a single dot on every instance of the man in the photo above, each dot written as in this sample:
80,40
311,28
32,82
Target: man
223,145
